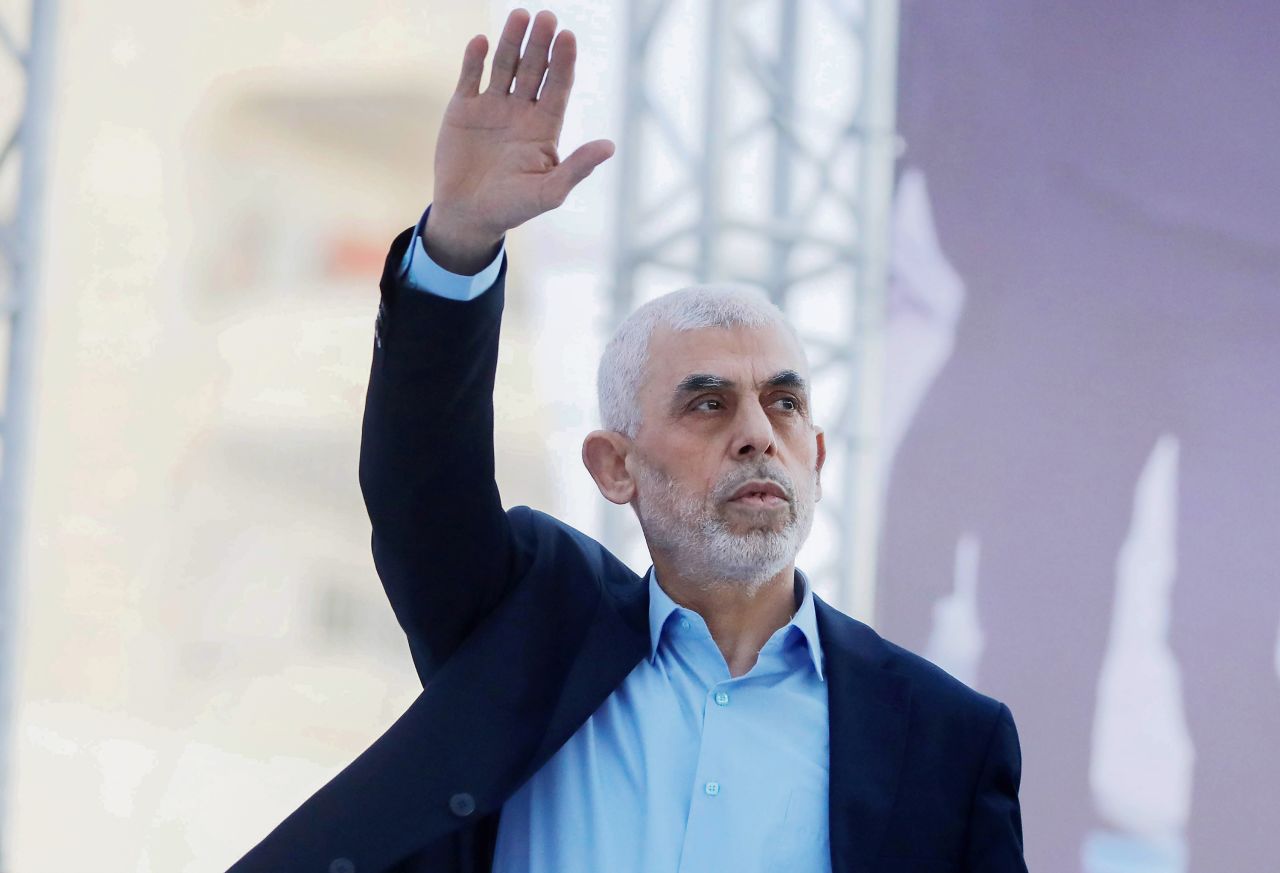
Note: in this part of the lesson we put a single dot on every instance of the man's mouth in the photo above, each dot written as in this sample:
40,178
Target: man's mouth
759,493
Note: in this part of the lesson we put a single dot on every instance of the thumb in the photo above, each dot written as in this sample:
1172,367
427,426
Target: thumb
573,169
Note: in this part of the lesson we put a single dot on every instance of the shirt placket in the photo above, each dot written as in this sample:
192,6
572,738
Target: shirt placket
717,807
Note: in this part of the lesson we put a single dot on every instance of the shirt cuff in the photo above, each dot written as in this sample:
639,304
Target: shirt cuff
423,274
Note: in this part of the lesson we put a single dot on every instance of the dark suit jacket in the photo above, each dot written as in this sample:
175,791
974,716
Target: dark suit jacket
521,626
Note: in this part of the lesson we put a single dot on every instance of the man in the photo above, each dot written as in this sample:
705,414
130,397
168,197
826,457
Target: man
715,715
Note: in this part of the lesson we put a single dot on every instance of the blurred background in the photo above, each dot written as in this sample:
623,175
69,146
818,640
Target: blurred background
1033,250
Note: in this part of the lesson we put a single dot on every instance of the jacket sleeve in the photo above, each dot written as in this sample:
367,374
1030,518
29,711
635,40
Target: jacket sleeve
994,842
442,544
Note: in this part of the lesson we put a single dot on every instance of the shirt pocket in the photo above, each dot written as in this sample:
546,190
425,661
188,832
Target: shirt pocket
801,842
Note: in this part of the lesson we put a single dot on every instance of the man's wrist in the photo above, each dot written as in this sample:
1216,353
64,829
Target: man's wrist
456,247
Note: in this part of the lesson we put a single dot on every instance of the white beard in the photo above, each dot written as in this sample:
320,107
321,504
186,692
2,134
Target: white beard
696,535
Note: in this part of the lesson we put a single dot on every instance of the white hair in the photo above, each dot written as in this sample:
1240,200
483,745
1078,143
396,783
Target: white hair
626,357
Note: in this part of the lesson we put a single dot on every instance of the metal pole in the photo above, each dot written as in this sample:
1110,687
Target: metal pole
877,118
713,111
23,233
783,108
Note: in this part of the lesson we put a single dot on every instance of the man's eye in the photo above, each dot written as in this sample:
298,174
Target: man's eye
794,404
710,400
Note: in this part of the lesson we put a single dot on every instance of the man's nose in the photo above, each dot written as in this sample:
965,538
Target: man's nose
754,433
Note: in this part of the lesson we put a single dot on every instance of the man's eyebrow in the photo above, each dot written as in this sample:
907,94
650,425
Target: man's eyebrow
788,379
708,382
704,382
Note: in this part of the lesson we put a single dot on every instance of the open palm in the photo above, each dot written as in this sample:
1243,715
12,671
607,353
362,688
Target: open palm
496,162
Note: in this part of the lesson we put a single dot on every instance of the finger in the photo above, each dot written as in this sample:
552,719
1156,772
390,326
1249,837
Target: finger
555,93
531,68
472,66
508,52
573,169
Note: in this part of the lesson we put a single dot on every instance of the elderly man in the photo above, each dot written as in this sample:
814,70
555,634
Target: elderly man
714,715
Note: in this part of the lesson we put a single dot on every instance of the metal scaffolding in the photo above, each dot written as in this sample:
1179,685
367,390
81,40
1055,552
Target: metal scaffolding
812,229
28,67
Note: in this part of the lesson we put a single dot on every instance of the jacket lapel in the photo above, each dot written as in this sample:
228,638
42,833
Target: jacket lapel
867,711
617,639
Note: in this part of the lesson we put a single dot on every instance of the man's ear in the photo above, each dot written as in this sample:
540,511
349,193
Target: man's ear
605,454
822,459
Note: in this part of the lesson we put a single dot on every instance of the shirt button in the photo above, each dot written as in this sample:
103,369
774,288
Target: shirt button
684,623
712,788
722,698
462,804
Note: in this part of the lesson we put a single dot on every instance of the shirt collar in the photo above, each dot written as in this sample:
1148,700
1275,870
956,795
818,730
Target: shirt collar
661,606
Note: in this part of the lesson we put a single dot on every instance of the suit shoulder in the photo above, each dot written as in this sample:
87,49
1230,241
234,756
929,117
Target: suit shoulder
546,538
942,702
940,697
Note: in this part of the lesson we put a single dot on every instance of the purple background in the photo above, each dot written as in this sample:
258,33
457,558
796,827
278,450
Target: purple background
1105,179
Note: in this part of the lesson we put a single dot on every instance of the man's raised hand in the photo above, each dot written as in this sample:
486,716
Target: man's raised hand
496,164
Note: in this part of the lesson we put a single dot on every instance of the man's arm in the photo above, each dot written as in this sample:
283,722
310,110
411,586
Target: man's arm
995,818
441,541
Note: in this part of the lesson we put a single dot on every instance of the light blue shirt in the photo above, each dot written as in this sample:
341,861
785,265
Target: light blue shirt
426,275
683,768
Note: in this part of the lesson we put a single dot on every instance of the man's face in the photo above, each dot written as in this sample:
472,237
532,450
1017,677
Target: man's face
726,460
